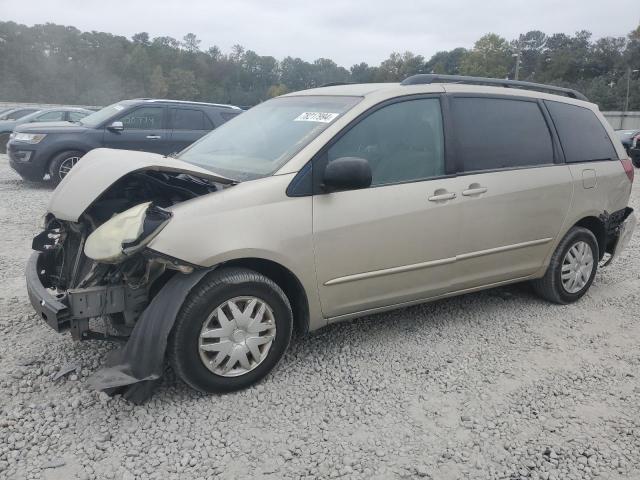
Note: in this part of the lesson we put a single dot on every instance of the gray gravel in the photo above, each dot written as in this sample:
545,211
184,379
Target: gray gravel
492,385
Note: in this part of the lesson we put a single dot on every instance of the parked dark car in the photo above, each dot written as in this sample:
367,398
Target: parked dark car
56,114
48,151
626,137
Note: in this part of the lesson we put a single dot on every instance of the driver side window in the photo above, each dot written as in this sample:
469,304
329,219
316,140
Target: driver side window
145,118
402,142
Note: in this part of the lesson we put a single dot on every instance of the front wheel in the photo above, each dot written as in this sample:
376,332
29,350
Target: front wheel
572,268
62,164
231,331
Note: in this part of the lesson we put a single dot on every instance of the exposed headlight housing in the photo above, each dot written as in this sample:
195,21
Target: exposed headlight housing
32,138
126,233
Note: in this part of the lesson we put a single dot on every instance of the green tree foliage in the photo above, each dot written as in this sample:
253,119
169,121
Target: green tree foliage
60,64
490,57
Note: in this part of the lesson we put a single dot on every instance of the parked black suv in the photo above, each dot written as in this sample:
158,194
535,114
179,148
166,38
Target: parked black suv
48,150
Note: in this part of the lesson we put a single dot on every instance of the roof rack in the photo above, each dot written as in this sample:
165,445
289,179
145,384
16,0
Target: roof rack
222,105
427,78
335,84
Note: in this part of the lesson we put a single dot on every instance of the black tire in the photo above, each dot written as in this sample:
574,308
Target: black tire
4,139
550,287
55,175
215,289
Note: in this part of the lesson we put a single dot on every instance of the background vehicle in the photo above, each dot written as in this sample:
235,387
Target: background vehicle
634,152
627,137
16,113
329,204
58,114
159,126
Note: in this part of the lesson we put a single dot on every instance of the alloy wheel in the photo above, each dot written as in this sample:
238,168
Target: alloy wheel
66,165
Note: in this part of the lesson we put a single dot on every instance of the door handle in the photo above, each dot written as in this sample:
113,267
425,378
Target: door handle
154,137
474,191
442,197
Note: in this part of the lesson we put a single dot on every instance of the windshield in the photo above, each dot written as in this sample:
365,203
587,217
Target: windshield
100,116
258,142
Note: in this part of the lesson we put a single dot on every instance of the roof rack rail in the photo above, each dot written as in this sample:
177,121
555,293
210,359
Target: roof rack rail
426,78
335,84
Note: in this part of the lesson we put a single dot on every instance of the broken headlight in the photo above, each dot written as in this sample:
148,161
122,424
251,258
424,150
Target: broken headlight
126,233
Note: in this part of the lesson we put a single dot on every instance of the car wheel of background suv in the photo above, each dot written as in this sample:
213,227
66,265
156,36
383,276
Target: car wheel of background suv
231,331
62,163
572,268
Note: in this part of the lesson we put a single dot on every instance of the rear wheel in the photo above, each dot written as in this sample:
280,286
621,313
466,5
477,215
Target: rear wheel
231,331
62,164
572,268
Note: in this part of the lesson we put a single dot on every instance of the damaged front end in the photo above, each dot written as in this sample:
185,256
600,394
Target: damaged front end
99,266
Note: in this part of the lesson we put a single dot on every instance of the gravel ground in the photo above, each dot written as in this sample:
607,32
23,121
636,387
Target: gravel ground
492,385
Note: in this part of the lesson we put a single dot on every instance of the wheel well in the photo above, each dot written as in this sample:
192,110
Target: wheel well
597,228
288,282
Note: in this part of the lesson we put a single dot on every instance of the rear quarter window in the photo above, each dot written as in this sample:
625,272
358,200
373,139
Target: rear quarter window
226,116
493,133
582,135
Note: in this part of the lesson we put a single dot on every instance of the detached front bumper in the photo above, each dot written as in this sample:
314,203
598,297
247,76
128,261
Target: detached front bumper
52,309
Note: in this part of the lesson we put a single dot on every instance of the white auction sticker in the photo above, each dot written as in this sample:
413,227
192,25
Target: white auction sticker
322,117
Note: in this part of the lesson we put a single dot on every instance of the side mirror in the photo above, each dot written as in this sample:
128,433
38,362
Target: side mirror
346,173
116,126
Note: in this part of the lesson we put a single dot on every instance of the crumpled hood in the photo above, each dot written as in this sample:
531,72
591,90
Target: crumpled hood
101,167
51,127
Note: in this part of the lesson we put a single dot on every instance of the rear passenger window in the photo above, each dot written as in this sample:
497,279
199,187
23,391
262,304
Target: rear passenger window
582,136
403,142
188,119
491,133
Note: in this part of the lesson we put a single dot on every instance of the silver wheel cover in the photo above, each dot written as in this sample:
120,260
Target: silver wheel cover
576,267
236,336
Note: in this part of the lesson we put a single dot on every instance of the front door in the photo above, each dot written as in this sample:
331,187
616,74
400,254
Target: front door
393,242
144,130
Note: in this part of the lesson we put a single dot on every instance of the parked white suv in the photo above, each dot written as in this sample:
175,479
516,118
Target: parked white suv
321,206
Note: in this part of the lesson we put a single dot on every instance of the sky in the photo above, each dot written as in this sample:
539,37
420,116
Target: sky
346,31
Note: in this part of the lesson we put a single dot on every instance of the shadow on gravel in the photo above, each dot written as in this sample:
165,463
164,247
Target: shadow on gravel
423,318
18,182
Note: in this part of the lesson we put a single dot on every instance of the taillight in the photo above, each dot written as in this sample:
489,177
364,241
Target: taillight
628,168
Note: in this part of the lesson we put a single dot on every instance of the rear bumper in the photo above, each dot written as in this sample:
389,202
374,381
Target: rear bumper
624,232
53,310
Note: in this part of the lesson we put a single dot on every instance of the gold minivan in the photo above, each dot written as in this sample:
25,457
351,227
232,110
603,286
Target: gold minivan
321,206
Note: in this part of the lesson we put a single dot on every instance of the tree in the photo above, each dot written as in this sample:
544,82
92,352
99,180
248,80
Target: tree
158,87
448,63
191,43
60,64
182,85
141,38
490,57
